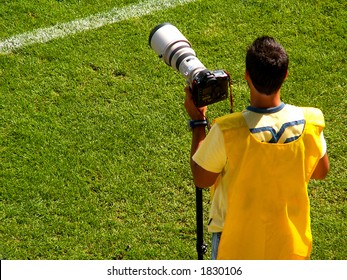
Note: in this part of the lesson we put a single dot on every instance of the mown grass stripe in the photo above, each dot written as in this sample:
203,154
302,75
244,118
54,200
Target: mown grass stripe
60,30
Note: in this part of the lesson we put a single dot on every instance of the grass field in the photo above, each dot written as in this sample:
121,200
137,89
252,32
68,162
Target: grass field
94,146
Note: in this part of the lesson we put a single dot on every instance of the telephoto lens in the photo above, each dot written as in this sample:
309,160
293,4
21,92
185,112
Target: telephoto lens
170,45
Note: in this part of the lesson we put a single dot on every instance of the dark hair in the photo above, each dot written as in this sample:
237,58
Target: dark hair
267,65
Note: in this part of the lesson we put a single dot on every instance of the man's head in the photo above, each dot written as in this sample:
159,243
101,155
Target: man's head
267,65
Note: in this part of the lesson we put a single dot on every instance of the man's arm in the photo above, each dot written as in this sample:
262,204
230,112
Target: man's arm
202,178
322,168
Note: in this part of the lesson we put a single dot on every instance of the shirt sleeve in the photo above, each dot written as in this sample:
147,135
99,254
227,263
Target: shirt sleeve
211,154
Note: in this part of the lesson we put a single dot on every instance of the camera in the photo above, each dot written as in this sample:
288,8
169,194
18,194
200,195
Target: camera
207,86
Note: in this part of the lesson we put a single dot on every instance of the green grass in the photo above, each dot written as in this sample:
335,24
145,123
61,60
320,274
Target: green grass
93,140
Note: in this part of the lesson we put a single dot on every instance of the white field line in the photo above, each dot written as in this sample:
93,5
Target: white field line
60,30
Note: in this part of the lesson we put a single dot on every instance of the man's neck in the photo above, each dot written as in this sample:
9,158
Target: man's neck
259,100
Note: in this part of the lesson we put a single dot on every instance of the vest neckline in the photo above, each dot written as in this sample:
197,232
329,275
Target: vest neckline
266,110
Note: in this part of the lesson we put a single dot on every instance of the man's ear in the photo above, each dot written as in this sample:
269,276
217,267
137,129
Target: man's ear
286,75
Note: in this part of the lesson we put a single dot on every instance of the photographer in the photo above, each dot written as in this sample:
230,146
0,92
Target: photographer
259,163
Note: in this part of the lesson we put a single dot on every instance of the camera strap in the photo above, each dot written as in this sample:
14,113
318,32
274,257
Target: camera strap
231,96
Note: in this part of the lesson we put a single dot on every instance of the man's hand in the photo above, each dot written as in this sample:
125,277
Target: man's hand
194,112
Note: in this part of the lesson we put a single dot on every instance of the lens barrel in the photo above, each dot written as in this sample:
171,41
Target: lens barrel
171,46
169,43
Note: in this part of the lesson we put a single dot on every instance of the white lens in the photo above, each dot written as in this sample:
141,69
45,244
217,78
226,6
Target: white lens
170,45
162,39
190,66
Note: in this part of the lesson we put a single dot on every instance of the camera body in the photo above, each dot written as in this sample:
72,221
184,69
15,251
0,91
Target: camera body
207,86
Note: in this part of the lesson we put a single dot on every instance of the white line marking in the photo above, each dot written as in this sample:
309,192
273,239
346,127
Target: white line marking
60,30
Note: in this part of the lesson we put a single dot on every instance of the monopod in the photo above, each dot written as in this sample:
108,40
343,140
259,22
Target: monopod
201,246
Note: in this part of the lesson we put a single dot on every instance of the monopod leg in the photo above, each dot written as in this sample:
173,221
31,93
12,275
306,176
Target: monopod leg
201,247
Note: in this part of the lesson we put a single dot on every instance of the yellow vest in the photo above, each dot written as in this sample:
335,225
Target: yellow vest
268,214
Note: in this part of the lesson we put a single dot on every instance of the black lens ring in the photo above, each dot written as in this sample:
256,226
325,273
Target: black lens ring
181,58
176,50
